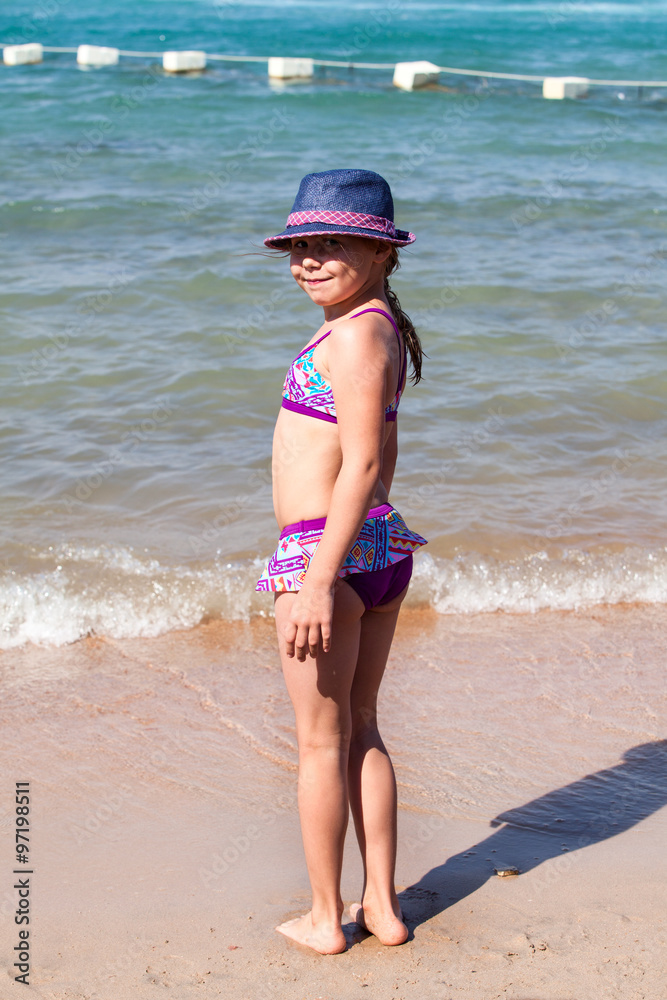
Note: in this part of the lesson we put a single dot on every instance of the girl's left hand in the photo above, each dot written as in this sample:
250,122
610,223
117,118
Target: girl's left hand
309,622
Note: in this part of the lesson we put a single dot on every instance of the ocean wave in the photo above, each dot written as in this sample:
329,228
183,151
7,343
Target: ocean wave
122,593
472,583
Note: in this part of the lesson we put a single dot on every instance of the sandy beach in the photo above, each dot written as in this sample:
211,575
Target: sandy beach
165,841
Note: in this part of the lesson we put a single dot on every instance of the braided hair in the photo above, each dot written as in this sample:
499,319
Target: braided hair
403,321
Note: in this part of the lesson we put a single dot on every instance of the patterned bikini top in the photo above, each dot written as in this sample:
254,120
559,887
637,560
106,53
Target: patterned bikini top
306,391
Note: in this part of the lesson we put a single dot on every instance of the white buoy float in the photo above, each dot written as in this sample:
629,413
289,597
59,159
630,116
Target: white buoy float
183,62
96,55
20,55
281,68
557,88
412,75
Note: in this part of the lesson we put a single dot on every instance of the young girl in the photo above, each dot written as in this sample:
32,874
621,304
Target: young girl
343,564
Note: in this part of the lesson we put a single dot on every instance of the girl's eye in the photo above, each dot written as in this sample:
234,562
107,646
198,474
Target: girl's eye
301,246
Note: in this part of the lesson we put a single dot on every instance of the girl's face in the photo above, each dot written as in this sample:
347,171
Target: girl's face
335,269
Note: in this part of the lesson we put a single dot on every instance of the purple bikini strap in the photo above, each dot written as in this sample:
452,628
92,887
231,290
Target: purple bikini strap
311,346
374,309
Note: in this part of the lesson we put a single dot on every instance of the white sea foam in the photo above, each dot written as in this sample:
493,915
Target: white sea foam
472,583
123,593
118,593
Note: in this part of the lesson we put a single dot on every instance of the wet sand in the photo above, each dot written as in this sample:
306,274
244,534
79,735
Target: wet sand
165,840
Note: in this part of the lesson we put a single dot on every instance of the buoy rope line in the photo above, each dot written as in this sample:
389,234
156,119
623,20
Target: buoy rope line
450,70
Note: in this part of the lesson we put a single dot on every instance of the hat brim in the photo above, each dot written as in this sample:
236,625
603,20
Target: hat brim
401,239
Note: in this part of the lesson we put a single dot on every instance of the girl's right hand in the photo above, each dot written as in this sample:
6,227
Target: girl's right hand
308,628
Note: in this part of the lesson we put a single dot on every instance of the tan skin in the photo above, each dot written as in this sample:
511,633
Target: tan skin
333,651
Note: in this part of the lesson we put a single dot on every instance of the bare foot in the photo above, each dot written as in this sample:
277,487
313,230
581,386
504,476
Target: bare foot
388,928
327,939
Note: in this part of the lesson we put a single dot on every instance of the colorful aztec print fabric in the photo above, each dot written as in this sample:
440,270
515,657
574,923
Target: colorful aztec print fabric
304,383
384,539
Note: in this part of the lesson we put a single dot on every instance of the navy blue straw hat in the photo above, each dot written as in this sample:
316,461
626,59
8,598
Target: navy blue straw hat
357,202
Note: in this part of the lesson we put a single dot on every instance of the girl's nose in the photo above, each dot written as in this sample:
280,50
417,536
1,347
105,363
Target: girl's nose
310,261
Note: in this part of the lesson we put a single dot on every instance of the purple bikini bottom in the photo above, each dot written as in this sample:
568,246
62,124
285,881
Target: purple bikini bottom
380,586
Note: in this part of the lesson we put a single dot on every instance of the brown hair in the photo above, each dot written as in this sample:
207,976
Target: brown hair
403,321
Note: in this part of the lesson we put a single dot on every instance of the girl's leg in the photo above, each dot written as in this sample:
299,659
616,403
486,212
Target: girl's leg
372,783
320,693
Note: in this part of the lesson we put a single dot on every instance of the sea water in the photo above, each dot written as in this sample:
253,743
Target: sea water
145,338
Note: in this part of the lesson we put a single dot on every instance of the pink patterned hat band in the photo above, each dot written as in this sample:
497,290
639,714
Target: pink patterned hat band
352,219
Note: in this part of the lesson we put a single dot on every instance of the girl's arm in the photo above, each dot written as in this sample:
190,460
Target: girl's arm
360,367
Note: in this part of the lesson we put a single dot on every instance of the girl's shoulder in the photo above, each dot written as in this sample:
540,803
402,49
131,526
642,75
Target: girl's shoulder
368,339
372,318
368,330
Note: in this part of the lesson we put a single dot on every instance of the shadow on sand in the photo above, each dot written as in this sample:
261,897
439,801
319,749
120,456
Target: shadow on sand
588,811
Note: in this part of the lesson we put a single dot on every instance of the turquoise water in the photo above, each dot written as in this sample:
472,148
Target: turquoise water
144,342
